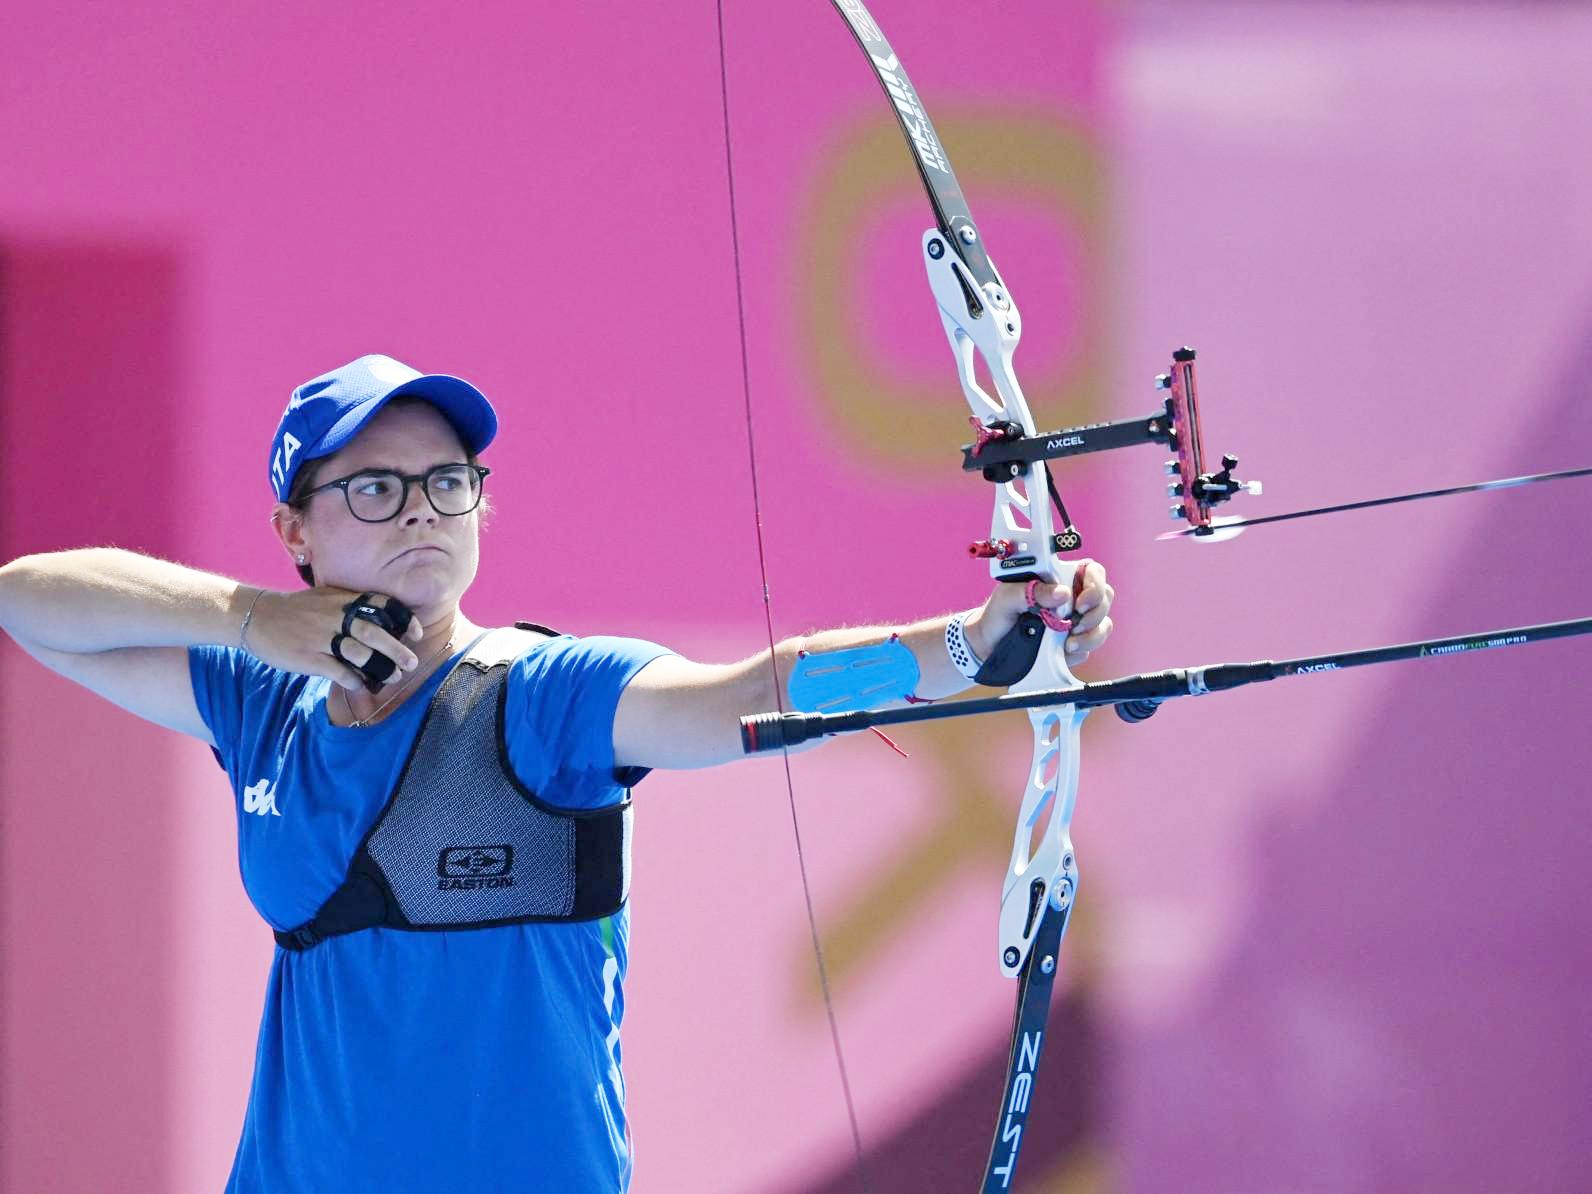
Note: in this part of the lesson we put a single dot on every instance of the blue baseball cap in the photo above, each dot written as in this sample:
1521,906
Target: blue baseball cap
326,413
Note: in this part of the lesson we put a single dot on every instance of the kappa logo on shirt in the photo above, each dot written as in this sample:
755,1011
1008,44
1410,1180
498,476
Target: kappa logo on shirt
260,799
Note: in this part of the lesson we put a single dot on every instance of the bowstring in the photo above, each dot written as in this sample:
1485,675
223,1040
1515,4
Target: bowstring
768,613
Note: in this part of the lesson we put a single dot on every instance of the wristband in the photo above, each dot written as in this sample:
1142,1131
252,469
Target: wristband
963,658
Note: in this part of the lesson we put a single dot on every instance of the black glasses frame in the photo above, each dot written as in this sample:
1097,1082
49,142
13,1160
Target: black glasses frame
405,480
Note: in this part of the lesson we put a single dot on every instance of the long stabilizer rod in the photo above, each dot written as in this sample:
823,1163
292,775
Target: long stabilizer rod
1136,697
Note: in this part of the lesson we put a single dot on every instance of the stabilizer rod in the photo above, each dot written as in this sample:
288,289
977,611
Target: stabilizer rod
1136,697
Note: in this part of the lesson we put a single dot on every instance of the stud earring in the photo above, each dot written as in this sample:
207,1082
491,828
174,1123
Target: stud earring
301,559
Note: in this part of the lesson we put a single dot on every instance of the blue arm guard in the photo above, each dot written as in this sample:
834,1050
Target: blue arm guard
853,679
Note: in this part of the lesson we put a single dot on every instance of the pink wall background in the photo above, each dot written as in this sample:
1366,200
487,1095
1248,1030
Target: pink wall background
1329,936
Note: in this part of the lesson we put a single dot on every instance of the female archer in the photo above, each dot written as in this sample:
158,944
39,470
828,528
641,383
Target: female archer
434,816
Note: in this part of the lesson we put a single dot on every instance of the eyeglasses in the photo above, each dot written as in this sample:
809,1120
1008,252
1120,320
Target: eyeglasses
379,494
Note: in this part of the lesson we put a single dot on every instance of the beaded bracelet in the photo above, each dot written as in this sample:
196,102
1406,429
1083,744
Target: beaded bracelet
243,631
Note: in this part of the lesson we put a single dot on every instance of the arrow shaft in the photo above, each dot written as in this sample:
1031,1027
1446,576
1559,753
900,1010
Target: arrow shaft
1479,487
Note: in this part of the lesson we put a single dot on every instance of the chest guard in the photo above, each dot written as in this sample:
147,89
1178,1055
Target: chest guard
462,843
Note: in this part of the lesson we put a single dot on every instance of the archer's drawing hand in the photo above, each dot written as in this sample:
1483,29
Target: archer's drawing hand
1086,600
294,632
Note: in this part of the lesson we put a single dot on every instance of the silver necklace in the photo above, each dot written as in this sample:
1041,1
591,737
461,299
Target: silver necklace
359,723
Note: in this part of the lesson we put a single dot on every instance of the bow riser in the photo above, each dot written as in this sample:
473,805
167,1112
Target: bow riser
986,322
1046,872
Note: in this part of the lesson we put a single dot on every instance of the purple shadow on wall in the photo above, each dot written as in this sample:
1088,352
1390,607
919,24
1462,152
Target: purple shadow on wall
942,1147
90,380
1409,1005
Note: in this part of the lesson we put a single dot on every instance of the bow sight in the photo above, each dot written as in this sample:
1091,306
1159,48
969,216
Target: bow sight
1001,452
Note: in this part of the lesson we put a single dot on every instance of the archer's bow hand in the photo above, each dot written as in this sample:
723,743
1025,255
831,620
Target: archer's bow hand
1086,603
